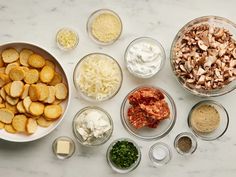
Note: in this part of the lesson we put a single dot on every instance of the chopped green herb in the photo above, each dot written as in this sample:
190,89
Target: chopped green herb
123,154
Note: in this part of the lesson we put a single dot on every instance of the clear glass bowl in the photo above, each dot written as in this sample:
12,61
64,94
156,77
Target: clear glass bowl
160,154
193,141
145,133
149,40
92,18
98,141
66,30
218,22
76,73
121,170
224,121
71,151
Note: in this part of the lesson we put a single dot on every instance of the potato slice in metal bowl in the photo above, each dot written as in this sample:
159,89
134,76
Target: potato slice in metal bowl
41,131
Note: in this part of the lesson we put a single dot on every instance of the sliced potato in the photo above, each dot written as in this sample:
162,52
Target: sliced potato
52,112
51,97
3,93
56,79
27,102
10,55
2,125
10,66
20,107
17,74
31,76
2,105
25,92
43,122
1,61
43,91
57,102
7,88
31,126
2,70
50,63
1,100
61,91
6,115
24,56
16,88
19,123
9,128
36,108
26,69
12,101
5,78
11,108
46,75
36,61
34,93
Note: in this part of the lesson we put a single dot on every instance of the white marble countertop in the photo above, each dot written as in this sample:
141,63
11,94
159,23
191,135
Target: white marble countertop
36,21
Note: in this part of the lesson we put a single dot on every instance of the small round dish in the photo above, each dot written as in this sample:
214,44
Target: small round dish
67,39
146,133
192,144
105,27
192,88
144,57
160,154
223,125
66,142
123,170
94,141
101,65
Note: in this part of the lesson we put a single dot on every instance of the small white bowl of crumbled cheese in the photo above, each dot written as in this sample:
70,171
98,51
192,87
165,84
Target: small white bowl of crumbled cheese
97,77
144,57
92,126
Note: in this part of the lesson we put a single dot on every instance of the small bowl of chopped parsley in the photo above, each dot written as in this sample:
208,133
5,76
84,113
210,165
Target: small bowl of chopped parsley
123,155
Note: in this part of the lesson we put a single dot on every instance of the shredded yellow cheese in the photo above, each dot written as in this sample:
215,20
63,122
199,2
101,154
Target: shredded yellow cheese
67,38
99,76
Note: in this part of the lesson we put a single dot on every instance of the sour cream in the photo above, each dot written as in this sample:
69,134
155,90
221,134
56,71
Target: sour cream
144,57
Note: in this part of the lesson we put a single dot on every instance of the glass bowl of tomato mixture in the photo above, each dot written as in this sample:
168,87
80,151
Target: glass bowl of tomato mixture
123,155
148,113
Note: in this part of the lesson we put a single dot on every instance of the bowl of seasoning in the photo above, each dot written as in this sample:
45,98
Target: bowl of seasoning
185,143
160,154
148,112
144,57
208,120
67,39
123,155
92,126
97,77
203,56
104,26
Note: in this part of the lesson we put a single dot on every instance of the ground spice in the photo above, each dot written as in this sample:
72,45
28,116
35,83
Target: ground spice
106,27
184,144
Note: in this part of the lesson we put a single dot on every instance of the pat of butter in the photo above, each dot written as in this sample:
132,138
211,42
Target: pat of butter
63,147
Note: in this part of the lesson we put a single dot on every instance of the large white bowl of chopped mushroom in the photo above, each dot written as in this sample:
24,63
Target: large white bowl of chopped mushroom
203,56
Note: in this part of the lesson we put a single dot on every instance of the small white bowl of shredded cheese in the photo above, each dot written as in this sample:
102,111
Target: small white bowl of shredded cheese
97,77
92,126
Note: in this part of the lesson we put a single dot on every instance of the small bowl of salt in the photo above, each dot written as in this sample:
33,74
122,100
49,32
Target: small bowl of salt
160,154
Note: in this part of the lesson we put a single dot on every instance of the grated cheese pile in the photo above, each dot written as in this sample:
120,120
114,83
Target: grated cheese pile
99,76
67,38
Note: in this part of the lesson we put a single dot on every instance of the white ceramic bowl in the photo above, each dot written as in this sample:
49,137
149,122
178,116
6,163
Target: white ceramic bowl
41,132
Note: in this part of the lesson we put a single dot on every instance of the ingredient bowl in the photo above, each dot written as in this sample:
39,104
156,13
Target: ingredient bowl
221,127
123,155
203,56
91,119
97,77
147,133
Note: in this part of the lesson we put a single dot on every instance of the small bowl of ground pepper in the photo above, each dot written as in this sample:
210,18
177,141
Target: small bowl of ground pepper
185,143
104,26
123,155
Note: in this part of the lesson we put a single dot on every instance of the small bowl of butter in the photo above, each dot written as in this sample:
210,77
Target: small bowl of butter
92,126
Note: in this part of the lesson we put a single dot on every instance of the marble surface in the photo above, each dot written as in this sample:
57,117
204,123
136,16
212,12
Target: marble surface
36,21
